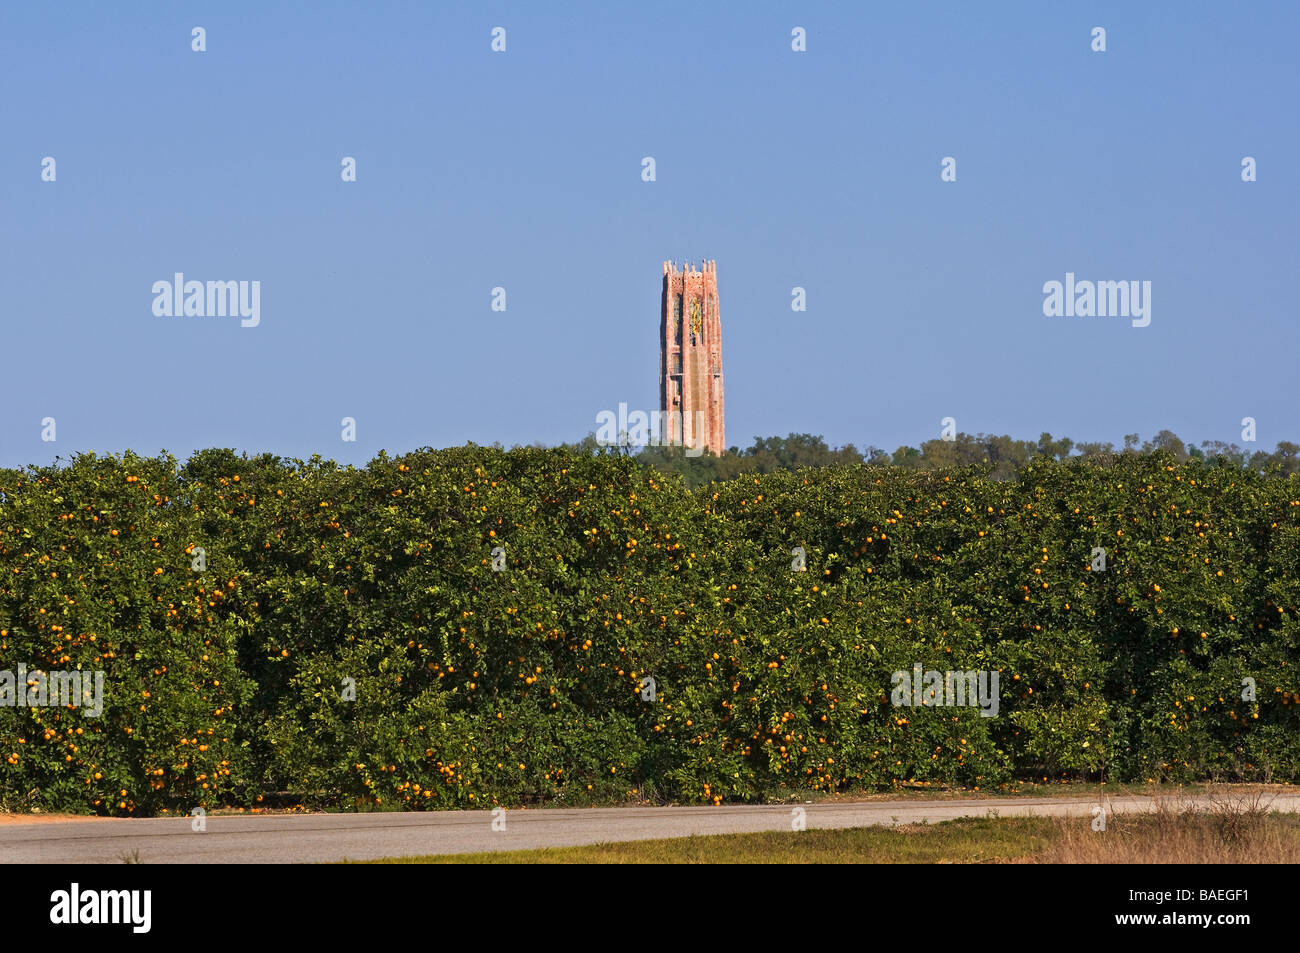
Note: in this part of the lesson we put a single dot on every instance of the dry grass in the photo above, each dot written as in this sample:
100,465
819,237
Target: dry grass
1235,829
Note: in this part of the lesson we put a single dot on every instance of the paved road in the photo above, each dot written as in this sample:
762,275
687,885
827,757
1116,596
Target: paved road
331,837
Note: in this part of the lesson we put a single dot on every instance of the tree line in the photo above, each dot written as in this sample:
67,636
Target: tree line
1004,455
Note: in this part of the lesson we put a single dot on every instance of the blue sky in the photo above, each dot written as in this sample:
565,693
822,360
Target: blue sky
522,170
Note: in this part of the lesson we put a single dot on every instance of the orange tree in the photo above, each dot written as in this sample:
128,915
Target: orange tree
97,578
472,627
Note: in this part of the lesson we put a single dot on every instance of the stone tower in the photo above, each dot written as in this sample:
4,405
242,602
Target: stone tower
690,358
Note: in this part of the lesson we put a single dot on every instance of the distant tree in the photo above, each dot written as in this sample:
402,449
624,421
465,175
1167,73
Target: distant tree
1056,449
1167,441
904,456
1228,453
1287,459
1004,452
1096,450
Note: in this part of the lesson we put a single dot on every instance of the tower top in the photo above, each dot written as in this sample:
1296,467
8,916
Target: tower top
670,267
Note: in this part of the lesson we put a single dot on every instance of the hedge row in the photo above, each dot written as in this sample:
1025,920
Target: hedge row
345,639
